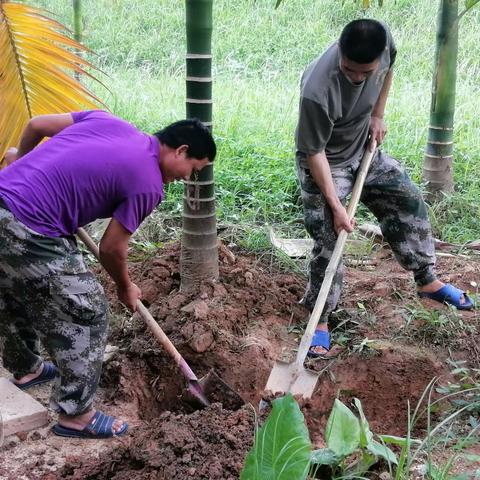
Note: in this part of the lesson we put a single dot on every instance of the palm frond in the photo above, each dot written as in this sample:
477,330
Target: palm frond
35,65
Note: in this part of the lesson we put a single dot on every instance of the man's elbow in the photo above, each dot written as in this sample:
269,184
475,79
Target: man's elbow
49,125
34,125
109,249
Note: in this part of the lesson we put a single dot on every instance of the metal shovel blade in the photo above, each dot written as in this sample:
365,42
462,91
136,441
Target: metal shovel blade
195,391
213,389
287,377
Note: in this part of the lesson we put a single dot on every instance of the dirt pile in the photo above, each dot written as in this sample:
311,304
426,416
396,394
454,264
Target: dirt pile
205,445
235,326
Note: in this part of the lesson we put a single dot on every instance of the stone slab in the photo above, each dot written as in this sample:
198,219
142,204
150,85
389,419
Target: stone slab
20,412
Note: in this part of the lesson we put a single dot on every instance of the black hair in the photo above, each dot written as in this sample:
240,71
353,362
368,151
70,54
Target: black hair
191,133
363,40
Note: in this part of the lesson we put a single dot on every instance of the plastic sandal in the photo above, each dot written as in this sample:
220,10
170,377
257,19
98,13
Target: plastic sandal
451,295
321,338
48,373
100,426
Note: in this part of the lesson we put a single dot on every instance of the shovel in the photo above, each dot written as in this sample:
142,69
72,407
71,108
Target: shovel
209,386
294,377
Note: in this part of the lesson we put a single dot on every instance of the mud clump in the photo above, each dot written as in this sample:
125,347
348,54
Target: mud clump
210,444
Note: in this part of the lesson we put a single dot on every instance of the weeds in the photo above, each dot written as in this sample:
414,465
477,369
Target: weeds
439,327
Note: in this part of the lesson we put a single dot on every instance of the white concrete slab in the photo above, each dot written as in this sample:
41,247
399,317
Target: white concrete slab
20,412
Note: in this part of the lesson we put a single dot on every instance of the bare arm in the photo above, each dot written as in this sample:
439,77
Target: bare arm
379,108
378,129
40,127
320,170
113,256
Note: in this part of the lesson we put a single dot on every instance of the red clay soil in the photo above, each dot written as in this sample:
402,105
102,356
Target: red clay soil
207,444
239,326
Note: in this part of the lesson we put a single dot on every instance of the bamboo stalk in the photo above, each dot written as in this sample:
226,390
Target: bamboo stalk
438,160
77,27
199,258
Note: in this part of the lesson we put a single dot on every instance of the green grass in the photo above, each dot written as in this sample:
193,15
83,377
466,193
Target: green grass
259,55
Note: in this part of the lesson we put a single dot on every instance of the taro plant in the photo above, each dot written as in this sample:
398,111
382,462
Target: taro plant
282,447
283,451
351,445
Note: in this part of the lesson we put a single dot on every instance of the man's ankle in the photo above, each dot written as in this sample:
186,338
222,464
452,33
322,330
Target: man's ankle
431,287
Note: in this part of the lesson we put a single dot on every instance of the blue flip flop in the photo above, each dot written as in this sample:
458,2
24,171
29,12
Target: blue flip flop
100,426
48,373
321,338
451,295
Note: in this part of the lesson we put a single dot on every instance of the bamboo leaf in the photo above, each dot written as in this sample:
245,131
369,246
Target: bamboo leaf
35,63
470,4
343,430
282,446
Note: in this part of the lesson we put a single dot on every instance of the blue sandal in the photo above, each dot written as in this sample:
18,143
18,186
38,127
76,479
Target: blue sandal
100,426
451,295
48,373
321,338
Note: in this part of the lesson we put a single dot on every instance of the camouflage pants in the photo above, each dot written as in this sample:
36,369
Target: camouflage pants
47,295
396,203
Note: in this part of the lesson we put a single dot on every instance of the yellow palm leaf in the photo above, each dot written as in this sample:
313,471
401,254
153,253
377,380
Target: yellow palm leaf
35,65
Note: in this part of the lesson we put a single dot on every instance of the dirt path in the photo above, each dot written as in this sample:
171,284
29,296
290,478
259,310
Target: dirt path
390,347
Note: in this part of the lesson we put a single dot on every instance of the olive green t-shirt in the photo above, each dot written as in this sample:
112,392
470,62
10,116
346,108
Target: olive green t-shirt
335,113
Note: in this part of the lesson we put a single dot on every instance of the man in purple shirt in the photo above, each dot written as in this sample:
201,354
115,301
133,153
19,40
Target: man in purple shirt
94,165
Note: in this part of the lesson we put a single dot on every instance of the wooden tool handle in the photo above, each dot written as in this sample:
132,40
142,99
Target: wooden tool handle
154,327
335,258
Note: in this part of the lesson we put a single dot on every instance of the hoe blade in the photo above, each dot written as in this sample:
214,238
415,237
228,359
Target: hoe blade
287,377
213,389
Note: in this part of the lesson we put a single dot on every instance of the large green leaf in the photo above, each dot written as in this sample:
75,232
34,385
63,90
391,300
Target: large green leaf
365,434
282,446
343,430
383,451
325,456
401,441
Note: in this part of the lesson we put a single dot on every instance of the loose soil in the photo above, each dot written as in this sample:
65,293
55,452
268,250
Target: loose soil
389,348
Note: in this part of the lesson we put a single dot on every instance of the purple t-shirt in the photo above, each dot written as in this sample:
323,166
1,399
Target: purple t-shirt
99,167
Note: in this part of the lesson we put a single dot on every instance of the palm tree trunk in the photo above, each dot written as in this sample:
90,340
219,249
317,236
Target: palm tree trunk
438,160
199,258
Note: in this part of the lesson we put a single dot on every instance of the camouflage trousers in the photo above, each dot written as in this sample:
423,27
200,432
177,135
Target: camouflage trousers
396,203
47,295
